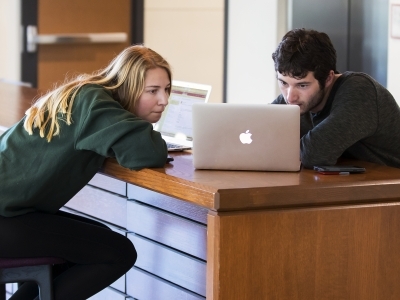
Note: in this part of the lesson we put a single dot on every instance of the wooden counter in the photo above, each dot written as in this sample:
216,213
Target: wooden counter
276,235
239,190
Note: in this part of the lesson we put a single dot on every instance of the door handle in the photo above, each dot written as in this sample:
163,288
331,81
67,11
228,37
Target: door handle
33,39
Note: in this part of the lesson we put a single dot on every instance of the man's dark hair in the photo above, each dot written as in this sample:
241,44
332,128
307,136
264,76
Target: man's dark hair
301,51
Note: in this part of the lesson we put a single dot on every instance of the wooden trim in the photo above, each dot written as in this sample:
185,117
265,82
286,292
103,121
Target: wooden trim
212,283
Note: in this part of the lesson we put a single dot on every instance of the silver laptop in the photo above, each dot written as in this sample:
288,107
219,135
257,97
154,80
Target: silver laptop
175,124
258,137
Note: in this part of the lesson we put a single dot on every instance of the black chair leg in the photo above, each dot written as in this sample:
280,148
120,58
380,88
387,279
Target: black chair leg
2,291
45,283
42,275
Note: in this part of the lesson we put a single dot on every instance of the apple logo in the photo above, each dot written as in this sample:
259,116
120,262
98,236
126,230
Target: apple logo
245,137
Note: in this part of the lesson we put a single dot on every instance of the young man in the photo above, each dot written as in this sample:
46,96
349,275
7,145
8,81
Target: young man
342,115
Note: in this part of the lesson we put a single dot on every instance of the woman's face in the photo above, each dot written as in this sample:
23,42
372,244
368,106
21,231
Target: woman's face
154,98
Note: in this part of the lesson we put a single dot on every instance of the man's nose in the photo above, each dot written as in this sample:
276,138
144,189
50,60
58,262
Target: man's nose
291,96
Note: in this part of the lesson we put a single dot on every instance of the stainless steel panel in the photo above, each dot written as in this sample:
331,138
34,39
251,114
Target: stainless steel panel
176,206
369,38
119,284
358,30
168,229
330,17
108,183
171,265
144,286
101,205
109,294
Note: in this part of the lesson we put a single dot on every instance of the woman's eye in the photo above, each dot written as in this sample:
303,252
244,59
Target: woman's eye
153,91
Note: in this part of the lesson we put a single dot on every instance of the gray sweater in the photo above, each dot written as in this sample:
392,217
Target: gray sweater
360,120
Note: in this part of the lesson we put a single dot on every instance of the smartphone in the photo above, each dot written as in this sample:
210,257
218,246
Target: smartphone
339,170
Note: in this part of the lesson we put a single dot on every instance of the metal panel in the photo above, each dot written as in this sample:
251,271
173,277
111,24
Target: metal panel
369,38
109,294
176,206
330,17
171,265
109,184
358,30
145,286
171,230
100,204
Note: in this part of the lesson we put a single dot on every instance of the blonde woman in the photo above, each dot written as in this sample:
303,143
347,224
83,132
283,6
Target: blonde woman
54,151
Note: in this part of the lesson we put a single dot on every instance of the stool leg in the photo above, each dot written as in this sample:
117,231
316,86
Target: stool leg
2,291
42,275
45,283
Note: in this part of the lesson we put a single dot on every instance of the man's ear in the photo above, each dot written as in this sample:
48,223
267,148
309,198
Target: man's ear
330,79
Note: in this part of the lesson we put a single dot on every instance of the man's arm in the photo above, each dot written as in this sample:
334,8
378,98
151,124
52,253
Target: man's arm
353,117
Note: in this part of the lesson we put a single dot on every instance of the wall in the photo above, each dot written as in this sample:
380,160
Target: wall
254,29
10,40
190,35
393,78
358,30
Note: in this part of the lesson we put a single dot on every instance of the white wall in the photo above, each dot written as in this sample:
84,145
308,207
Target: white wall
254,30
256,27
10,40
393,78
190,35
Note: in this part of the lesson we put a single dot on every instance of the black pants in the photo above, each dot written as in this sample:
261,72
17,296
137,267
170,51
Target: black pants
96,255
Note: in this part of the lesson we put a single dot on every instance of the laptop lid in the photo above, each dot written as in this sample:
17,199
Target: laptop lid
175,124
259,137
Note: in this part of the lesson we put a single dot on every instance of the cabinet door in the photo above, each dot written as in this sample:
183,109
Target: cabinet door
50,63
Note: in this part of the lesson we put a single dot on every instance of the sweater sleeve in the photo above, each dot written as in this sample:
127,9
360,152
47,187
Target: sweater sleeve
353,117
111,131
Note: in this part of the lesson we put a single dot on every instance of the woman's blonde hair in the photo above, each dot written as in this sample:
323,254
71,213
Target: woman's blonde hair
124,76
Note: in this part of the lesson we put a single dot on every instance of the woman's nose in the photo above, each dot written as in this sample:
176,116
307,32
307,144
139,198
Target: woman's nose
164,99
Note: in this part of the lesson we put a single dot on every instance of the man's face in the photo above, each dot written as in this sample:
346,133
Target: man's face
305,92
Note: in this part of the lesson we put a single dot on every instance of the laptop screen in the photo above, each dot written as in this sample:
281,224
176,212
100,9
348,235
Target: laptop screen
176,120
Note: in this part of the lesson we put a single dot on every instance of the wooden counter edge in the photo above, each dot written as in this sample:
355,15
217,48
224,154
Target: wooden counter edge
299,196
158,181
361,192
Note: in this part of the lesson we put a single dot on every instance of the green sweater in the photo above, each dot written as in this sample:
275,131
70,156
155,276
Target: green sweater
36,175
